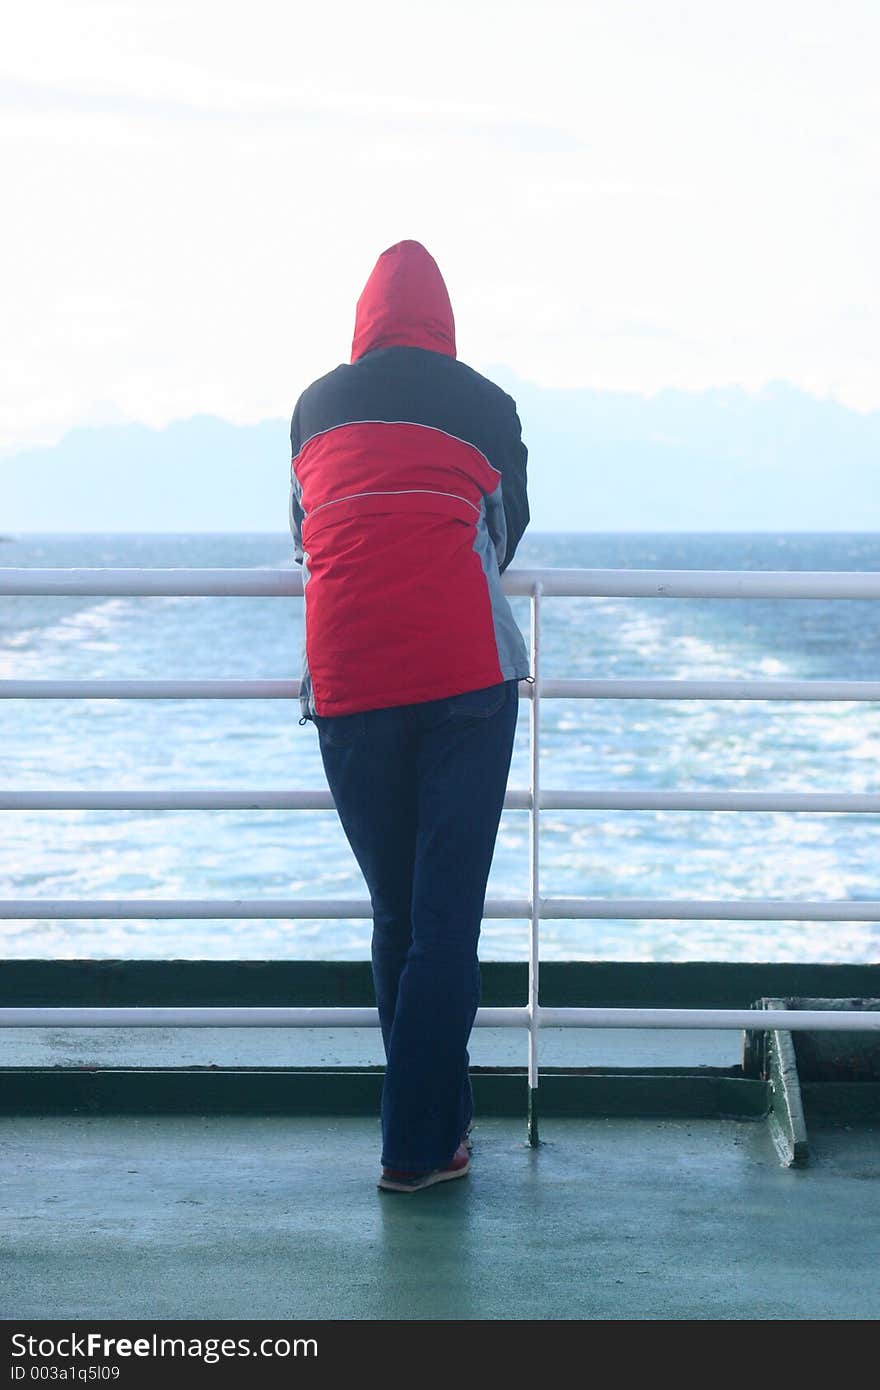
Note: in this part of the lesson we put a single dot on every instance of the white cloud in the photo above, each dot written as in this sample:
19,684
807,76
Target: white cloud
628,196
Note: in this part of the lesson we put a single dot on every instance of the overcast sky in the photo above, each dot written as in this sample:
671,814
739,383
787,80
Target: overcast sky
628,194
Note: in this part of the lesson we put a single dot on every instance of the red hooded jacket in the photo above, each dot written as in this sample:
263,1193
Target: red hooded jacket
407,501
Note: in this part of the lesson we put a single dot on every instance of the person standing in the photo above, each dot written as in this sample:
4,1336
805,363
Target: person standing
408,498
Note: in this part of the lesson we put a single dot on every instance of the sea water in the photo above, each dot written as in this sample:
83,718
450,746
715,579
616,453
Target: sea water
598,744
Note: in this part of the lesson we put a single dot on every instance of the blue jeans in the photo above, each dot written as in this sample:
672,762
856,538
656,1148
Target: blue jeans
419,790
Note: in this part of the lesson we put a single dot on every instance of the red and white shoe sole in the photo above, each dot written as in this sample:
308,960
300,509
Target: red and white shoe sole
429,1180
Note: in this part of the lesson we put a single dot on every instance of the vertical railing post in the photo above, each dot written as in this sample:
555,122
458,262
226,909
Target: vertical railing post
534,875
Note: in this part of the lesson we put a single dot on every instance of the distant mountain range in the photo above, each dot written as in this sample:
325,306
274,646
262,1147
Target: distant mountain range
717,460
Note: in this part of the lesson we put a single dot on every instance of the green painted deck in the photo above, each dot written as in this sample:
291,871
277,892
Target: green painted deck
230,1173
278,1217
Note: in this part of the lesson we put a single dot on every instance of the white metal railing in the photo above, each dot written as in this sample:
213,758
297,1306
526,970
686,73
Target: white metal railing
537,584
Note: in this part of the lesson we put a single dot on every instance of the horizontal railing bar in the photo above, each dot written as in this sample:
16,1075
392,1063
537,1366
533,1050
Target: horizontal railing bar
550,689
149,690
516,799
190,799
792,1020
572,583
225,1017
718,910
709,690
645,799
153,583
611,583
184,799
162,909
551,909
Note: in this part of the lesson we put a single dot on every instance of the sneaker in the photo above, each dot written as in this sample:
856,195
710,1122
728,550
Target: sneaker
394,1181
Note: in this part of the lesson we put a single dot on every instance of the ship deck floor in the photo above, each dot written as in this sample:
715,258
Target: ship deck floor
225,1217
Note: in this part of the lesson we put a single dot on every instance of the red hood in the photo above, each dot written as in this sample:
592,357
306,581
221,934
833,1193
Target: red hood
404,304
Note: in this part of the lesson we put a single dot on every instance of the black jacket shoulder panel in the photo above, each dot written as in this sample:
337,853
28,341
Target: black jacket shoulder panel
420,387
405,384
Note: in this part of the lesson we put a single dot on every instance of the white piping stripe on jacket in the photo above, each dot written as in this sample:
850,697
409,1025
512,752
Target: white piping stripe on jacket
344,424
390,492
